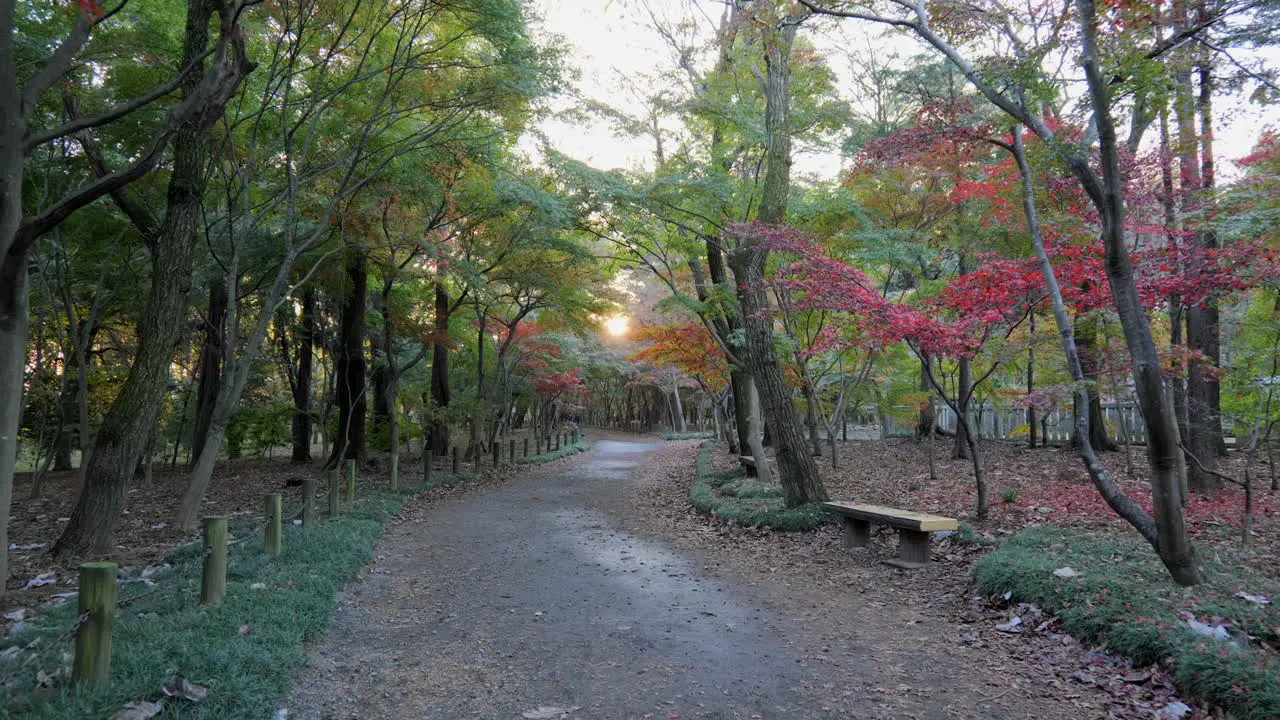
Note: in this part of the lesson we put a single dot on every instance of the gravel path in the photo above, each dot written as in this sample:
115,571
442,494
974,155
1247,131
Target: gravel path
547,597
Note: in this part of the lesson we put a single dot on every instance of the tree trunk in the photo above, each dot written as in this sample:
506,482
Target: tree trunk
1031,384
799,473
440,371
960,448
811,416
350,444
124,432
1212,328
763,471
210,365
927,418
302,379
14,324
1086,337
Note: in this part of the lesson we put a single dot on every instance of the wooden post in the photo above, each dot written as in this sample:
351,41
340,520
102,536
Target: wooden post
335,502
308,501
497,453
558,440
526,447
857,533
512,453
271,537
476,453
351,481
455,459
427,461
213,580
93,637
537,449
913,549
394,479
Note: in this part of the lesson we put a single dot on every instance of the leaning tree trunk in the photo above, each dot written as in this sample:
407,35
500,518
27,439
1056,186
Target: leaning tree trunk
960,449
128,425
1086,336
302,379
796,467
210,365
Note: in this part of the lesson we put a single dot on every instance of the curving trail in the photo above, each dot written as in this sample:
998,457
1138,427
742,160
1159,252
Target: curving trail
515,600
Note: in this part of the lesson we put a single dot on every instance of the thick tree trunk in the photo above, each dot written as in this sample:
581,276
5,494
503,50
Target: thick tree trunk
927,418
14,325
350,372
210,365
440,371
127,426
1211,346
796,467
302,379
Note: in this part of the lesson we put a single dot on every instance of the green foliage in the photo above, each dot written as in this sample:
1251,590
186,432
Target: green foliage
1010,494
688,436
1124,597
738,500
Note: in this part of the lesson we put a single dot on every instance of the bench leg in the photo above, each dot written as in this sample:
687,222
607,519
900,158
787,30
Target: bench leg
857,533
913,550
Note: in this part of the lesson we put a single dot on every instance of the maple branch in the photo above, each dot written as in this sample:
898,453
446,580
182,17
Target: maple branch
1209,471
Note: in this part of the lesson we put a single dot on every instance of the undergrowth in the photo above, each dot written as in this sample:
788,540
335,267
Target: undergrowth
1123,596
740,500
244,651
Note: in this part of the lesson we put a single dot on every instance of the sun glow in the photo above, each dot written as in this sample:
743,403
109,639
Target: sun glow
617,325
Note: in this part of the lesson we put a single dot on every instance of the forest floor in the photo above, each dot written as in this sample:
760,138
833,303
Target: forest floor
589,589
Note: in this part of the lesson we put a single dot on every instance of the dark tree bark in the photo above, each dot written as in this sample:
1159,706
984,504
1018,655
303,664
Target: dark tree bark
125,430
440,370
1086,340
1210,340
798,473
301,385
209,365
69,428
350,372
964,382
927,418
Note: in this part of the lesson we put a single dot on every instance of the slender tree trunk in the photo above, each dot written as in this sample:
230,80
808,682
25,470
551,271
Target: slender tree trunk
1210,328
811,416
440,371
927,419
14,326
210,364
763,471
124,432
675,390
302,380
1086,335
964,379
1031,385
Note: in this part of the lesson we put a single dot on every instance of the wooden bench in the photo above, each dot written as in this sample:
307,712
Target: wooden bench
913,529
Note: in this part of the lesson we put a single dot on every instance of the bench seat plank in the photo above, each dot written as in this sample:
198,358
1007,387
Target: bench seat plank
905,519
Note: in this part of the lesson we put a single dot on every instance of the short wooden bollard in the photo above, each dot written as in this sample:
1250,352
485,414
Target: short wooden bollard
271,537
351,481
308,501
497,453
335,502
427,462
213,579
394,478
558,441
477,451
93,638
537,450
526,447
512,459
455,459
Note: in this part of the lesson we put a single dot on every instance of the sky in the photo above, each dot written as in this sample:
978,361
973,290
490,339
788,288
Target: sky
612,39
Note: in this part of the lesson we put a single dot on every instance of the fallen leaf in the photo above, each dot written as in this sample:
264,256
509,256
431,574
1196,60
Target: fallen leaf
547,712
185,689
138,710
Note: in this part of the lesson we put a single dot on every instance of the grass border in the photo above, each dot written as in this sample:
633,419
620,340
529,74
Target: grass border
247,650
1124,598
754,507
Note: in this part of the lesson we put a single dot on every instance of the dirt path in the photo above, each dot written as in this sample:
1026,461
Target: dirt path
557,591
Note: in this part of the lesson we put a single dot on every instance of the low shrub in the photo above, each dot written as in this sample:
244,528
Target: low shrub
1123,596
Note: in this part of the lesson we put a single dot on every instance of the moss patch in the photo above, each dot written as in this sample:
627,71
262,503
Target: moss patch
739,500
